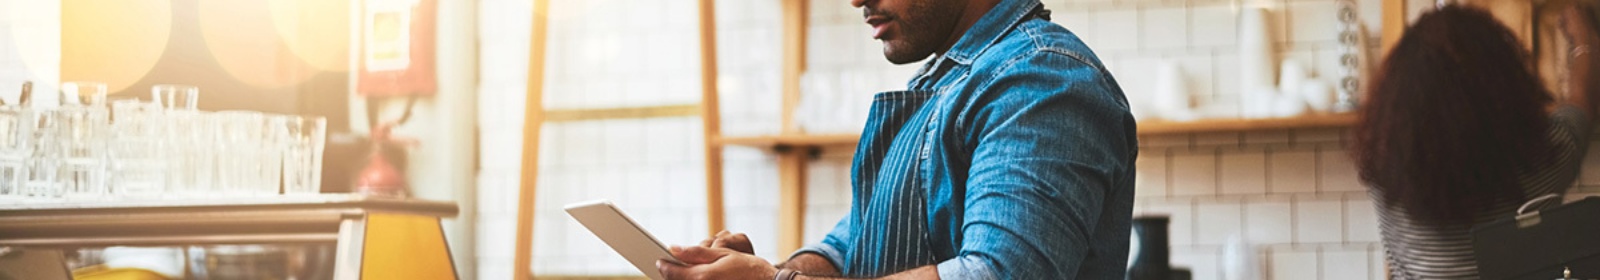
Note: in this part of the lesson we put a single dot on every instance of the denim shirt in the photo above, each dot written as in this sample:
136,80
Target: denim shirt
1009,157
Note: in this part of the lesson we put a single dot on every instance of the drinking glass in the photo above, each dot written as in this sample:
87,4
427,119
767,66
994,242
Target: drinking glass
138,162
81,127
241,159
192,168
305,139
82,133
176,97
13,151
43,162
191,141
90,94
268,173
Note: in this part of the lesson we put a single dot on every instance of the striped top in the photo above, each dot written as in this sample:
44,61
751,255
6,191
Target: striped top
1429,250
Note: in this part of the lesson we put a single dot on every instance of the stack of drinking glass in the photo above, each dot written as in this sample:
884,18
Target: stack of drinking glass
90,149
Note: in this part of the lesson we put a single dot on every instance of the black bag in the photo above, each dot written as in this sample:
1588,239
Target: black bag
1540,244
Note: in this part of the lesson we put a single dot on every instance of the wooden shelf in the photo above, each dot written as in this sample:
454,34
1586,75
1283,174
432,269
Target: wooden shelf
1148,128
1145,129
801,140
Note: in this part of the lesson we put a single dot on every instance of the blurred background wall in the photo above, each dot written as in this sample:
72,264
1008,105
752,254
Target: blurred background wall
1292,194
281,56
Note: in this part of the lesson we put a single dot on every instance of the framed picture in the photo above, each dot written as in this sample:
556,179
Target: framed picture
397,48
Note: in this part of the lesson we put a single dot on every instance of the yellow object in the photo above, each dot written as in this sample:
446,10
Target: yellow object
113,42
400,247
100,273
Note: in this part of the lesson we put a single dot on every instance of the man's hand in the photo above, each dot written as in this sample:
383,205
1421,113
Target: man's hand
1577,24
715,263
730,240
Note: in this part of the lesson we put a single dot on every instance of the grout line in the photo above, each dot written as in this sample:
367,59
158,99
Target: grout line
1166,158
1317,170
1294,220
1266,170
1344,219
1320,251
1267,264
1216,173
1194,227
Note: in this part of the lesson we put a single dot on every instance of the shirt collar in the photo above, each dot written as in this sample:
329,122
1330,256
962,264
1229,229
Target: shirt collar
989,29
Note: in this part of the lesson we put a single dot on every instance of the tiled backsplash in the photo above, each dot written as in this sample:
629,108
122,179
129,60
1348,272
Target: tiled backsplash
1293,195
1135,38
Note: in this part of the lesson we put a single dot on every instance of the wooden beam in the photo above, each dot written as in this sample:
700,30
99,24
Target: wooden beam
569,115
1394,24
842,140
794,60
792,163
533,121
791,200
710,117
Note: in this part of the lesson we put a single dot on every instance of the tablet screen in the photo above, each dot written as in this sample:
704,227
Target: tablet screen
626,237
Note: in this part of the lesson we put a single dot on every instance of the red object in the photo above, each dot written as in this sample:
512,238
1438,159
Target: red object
379,177
389,69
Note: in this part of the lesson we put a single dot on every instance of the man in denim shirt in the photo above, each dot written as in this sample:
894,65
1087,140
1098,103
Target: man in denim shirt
1010,157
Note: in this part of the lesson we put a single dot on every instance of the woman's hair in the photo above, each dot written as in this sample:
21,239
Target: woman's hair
1453,118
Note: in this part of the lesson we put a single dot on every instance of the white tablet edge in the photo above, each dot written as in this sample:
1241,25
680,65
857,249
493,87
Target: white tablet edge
622,234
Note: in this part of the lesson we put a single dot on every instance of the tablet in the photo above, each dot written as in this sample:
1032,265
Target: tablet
622,234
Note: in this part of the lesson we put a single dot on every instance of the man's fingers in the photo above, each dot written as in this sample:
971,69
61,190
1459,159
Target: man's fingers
671,270
715,239
699,255
738,242
731,240
719,240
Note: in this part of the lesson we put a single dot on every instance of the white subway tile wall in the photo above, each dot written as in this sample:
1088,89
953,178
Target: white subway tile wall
1220,220
1269,220
1318,219
1292,264
1292,170
1201,262
652,168
30,45
1152,177
749,60
1292,195
1344,263
1198,170
1243,171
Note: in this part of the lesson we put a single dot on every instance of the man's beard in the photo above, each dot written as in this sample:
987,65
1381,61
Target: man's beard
924,32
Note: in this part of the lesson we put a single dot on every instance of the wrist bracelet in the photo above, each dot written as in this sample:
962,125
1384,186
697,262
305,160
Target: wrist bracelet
785,274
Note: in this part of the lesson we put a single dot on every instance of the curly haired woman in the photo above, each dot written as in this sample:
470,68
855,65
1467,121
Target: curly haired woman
1458,130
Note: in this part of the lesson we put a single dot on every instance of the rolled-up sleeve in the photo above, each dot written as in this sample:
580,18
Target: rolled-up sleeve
832,245
1052,142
